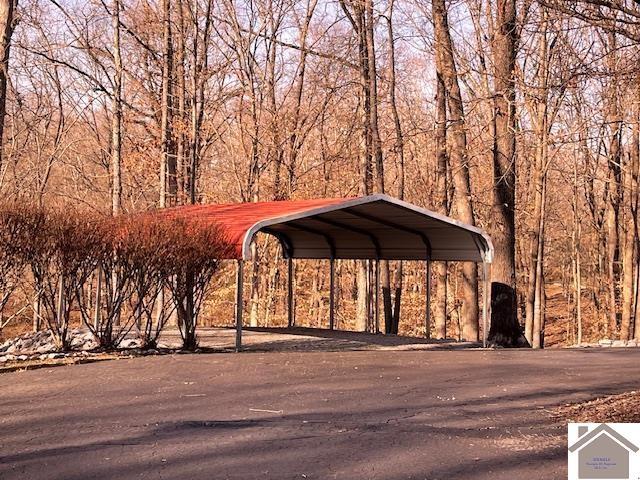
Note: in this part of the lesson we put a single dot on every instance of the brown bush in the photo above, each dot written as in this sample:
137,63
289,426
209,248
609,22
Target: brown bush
139,257
65,248
149,242
115,272
14,245
191,263
148,254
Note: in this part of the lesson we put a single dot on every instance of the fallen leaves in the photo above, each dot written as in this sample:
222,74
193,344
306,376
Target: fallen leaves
620,408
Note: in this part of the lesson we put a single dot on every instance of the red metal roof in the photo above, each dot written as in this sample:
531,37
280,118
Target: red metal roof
372,227
235,219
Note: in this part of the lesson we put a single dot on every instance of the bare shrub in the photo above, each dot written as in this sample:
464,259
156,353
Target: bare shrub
14,244
191,263
139,256
115,266
173,253
149,247
65,248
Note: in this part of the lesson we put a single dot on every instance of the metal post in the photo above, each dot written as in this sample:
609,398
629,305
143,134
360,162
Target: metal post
239,282
368,295
291,320
332,279
427,311
376,307
486,293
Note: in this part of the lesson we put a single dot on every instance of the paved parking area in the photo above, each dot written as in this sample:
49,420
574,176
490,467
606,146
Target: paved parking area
309,339
465,414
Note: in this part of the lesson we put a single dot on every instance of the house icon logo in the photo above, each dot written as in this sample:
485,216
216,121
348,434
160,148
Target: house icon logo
603,451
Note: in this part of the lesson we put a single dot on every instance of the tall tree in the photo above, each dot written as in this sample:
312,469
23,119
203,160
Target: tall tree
181,94
356,12
7,11
440,268
116,122
631,291
459,161
614,163
398,149
542,104
199,65
505,329
628,236
376,143
166,157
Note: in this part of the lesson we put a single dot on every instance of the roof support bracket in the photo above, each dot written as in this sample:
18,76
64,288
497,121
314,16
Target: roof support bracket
330,243
374,240
387,223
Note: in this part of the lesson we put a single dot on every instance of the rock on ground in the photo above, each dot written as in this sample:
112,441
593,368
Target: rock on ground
43,342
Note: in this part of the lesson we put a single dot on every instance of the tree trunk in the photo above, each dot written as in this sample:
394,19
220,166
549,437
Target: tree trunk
199,63
628,231
505,329
275,153
462,202
614,123
182,106
538,103
166,116
635,211
577,266
357,16
36,312
539,300
376,146
441,268
294,143
399,152
7,9
116,124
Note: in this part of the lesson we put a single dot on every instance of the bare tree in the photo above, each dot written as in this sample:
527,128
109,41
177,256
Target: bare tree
167,159
458,158
116,126
7,9
440,268
398,149
505,329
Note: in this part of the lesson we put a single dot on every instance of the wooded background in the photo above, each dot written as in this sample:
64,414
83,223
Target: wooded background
521,117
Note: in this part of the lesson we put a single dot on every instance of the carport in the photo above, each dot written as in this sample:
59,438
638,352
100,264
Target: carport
375,227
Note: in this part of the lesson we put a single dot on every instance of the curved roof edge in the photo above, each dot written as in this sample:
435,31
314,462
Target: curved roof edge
487,248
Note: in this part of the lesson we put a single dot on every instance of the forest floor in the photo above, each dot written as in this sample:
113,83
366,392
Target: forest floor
472,414
622,408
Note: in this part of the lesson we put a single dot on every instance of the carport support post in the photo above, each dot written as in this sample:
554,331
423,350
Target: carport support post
485,302
239,282
332,293
376,307
290,312
427,311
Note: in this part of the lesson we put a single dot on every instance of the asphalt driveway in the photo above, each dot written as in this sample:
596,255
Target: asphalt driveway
292,415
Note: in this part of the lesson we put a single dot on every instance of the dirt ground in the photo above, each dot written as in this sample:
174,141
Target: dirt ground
366,414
